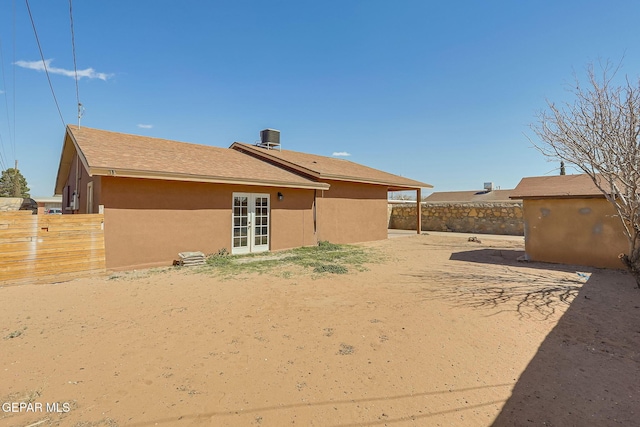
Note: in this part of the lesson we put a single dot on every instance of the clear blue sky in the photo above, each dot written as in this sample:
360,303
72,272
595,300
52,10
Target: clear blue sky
442,92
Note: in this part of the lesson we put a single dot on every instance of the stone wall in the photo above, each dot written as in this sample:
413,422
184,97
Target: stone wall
484,218
10,203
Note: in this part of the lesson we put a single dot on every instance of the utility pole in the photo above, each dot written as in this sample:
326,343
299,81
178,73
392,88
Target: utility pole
16,184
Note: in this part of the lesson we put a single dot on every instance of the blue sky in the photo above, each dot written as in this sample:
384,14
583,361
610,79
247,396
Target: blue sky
441,92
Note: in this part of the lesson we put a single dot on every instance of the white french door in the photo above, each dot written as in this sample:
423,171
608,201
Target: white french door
250,230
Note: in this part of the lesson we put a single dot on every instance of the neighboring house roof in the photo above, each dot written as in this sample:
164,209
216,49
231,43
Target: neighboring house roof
322,167
470,196
556,186
123,155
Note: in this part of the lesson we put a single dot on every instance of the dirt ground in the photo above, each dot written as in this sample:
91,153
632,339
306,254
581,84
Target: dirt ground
439,331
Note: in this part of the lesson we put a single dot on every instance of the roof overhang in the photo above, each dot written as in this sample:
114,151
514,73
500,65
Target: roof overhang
391,186
168,176
560,197
403,188
69,150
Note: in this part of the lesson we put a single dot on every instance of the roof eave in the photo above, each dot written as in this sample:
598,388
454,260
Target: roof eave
64,166
168,176
392,186
561,196
66,160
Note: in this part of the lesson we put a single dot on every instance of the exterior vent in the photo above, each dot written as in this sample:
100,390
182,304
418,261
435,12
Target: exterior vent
488,186
269,138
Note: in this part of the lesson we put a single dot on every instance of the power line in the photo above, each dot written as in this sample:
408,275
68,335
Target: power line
75,66
3,153
44,63
13,74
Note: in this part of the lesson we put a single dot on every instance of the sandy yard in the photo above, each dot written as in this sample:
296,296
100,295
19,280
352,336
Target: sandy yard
438,331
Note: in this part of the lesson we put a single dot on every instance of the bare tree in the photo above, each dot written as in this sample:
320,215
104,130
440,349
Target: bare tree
401,196
600,134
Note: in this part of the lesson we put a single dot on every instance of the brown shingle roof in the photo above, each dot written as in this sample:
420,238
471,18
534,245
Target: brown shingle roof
322,167
113,153
470,196
556,186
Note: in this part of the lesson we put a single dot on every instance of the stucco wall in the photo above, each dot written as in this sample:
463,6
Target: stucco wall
573,231
147,222
486,218
350,212
83,178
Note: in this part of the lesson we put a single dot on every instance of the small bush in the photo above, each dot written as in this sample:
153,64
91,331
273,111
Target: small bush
222,252
326,245
220,258
330,268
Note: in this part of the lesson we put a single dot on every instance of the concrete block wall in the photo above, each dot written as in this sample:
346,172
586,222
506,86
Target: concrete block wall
484,218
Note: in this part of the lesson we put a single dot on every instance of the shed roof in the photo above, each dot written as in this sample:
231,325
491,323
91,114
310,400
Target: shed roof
329,168
470,196
556,186
117,154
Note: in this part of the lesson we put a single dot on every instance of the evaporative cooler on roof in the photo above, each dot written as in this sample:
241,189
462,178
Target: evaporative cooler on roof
270,138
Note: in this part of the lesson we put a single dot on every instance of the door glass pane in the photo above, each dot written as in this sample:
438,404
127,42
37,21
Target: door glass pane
240,221
261,227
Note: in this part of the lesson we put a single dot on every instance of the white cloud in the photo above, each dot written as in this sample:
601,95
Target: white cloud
141,126
341,154
89,73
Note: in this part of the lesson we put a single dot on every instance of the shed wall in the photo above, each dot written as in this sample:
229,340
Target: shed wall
573,231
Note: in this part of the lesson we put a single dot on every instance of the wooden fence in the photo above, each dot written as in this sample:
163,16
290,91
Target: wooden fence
45,248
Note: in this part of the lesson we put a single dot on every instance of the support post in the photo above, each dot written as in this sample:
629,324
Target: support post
419,210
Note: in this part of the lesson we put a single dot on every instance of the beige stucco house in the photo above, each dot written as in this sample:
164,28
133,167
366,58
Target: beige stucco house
567,220
162,197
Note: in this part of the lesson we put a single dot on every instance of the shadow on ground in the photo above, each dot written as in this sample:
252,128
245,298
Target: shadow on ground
499,283
510,257
587,370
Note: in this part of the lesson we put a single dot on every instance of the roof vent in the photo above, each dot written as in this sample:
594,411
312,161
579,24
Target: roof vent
269,139
488,186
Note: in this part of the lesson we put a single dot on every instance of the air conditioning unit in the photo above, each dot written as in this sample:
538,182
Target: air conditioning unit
488,186
269,138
